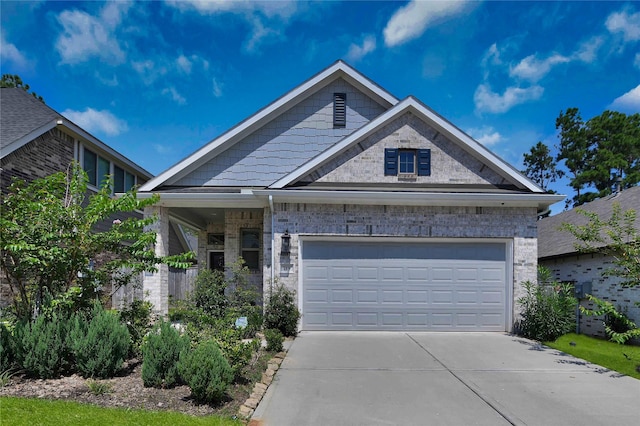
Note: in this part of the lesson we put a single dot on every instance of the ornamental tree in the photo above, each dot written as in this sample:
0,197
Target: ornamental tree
54,257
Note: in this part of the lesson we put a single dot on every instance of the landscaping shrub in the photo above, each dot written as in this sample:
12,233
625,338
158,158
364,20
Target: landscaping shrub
7,349
161,353
100,345
208,292
274,339
281,311
548,311
42,348
206,371
137,318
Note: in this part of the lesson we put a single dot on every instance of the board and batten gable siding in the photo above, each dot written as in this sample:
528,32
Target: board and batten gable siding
287,142
415,222
364,162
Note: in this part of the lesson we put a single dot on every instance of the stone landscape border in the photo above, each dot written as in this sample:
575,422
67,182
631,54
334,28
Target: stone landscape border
246,410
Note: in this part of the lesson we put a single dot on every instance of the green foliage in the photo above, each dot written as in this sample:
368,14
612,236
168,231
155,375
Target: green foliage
137,318
14,80
42,348
5,376
548,309
208,293
616,237
98,387
206,371
281,311
161,353
49,244
100,345
7,348
274,339
599,151
541,167
618,326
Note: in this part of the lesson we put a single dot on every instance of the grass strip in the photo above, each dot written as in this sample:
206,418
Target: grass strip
36,412
624,359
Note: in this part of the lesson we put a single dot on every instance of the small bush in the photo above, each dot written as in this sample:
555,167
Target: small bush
161,353
281,311
274,340
42,348
206,371
548,311
208,292
99,345
7,348
98,387
137,318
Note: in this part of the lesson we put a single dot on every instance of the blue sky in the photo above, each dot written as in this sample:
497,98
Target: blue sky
157,80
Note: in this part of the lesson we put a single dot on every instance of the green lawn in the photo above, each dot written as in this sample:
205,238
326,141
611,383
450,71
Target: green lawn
33,412
624,359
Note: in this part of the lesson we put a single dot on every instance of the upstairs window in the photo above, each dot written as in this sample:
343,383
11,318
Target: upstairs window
123,181
96,167
339,110
407,162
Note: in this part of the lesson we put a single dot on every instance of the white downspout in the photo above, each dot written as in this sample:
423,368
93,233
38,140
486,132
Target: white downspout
273,243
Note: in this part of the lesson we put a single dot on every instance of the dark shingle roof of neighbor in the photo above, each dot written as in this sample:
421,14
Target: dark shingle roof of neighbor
553,242
21,114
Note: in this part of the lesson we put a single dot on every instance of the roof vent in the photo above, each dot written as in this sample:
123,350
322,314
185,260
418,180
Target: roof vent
339,110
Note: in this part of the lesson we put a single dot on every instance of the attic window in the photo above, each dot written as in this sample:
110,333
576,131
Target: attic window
403,162
339,110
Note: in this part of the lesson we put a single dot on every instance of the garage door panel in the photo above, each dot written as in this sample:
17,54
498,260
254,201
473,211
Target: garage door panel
397,286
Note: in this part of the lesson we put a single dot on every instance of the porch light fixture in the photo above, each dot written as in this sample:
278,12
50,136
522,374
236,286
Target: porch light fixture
286,243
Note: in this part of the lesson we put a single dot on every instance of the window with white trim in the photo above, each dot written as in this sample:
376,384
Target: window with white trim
250,248
407,162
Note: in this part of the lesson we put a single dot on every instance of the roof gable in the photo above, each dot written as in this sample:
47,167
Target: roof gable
287,141
440,131
339,70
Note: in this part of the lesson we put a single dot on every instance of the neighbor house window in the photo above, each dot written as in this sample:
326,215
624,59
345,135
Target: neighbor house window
407,162
96,167
123,181
339,109
250,248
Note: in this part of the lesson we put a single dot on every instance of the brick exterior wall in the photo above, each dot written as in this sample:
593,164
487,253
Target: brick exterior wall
47,154
583,268
515,224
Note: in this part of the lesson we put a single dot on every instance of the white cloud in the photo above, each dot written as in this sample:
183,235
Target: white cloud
488,101
149,70
629,102
184,64
85,36
587,51
411,20
628,25
357,52
533,69
217,88
260,34
97,121
486,135
10,53
162,149
173,94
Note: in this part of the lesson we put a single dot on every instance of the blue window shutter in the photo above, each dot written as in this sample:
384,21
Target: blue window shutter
390,162
424,162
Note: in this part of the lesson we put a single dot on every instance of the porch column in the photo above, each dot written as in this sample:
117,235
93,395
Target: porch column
156,284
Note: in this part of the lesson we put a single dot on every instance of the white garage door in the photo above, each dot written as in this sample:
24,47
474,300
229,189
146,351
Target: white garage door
404,286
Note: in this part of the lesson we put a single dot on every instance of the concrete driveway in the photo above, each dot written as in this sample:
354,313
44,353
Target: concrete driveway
384,378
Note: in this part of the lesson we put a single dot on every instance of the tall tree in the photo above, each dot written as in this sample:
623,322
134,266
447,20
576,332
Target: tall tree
599,153
14,80
541,167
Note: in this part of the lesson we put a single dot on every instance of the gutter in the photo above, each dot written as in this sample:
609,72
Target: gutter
273,245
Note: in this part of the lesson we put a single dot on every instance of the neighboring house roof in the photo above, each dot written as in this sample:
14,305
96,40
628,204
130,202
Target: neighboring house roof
339,70
23,118
552,242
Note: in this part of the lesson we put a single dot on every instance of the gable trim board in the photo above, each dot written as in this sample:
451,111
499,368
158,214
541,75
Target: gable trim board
412,105
338,70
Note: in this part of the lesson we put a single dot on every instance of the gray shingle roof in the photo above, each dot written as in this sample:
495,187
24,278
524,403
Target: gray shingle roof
554,242
21,114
